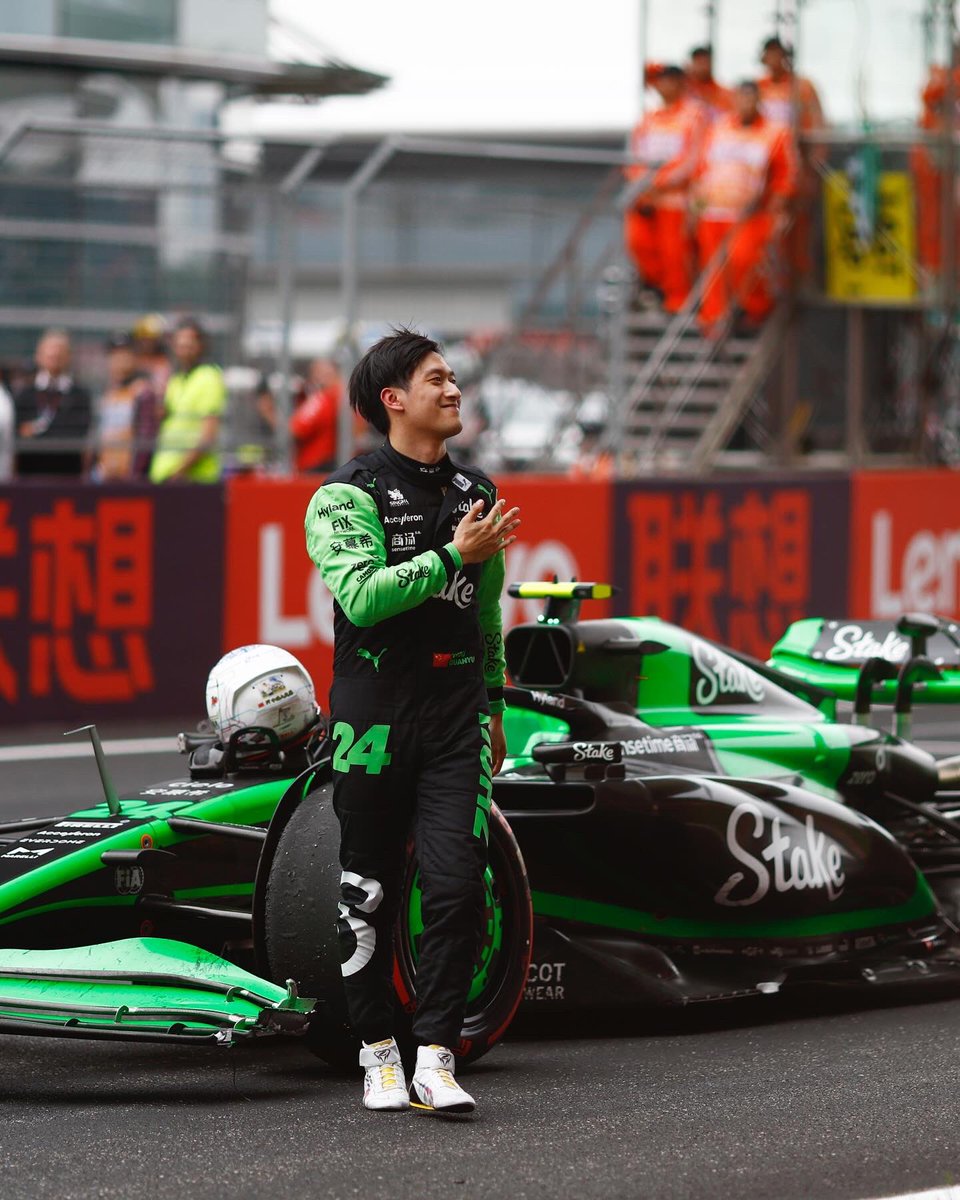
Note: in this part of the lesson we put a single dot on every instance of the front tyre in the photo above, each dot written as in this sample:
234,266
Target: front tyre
299,927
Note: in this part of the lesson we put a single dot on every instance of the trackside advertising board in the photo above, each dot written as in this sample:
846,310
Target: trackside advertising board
275,594
110,600
116,601
734,560
905,543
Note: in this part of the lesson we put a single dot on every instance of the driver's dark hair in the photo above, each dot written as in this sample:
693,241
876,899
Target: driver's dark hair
390,362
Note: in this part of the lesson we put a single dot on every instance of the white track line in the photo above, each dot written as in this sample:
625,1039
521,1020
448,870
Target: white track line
79,747
941,1193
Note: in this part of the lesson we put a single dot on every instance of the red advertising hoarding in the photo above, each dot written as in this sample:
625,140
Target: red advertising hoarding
109,600
274,593
905,543
733,560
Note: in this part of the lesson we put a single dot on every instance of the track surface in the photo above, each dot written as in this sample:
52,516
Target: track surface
748,1102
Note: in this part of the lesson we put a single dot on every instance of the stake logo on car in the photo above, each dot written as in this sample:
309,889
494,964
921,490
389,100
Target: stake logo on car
717,678
800,862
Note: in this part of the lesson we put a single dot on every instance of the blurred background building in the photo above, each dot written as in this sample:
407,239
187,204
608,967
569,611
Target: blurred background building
145,168
118,195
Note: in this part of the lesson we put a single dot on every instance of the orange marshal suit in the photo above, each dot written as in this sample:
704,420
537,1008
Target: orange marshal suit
746,173
666,146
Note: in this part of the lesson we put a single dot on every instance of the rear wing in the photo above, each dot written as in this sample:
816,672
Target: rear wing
915,659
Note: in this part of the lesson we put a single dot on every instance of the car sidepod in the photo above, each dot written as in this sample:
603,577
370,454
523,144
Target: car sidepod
671,889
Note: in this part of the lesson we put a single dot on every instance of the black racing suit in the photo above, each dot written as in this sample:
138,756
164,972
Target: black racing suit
418,667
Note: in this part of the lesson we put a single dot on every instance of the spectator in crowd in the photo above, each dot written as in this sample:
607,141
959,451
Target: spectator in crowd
313,423
8,425
792,100
127,416
253,426
665,146
702,86
745,184
193,406
52,413
149,333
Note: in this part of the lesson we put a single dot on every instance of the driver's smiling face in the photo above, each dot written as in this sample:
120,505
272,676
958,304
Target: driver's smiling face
431,399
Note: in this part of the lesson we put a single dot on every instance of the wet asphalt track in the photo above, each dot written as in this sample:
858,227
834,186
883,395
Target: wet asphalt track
764,1101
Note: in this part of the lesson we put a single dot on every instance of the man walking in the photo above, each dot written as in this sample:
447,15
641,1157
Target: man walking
411,546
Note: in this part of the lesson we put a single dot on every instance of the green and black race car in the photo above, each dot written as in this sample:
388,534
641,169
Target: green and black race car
675,822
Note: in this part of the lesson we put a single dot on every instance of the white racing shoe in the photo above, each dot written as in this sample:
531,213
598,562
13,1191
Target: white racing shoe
384,1087
434,1085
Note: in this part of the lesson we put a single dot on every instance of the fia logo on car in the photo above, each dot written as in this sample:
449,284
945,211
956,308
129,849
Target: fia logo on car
128,880
807,861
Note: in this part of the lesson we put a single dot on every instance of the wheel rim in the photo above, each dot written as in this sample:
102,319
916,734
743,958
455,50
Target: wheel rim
491,942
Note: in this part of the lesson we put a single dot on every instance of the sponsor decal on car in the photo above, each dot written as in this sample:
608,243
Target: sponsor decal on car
602,751
800,859
128,881
852,643
196,789
716,678
683,747
544,981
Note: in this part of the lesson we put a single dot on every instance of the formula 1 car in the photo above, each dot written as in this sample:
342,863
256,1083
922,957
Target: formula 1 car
696,825
190,886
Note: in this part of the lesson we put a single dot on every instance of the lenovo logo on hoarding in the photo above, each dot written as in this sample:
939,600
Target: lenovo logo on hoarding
918,575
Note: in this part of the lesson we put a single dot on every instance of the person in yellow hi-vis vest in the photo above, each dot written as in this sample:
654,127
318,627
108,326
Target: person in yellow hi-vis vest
193,406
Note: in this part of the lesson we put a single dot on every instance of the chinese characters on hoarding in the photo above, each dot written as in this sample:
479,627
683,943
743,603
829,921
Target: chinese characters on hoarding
107,602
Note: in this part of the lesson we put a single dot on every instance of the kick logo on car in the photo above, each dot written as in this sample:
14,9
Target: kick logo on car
810,860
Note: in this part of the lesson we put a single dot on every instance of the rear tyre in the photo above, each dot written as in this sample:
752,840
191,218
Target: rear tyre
302,891
503,957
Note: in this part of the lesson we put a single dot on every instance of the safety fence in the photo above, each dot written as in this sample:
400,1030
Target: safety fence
115,602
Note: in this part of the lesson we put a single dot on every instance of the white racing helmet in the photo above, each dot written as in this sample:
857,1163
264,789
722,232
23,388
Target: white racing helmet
263,686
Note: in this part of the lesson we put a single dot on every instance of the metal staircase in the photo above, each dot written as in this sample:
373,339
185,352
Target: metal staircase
676,398
686,395
680,396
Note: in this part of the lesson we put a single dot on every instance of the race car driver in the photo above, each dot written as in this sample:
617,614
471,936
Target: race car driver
411,546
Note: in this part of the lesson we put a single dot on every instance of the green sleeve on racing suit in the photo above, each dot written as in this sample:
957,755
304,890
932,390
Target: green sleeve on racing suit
345,539
491,629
